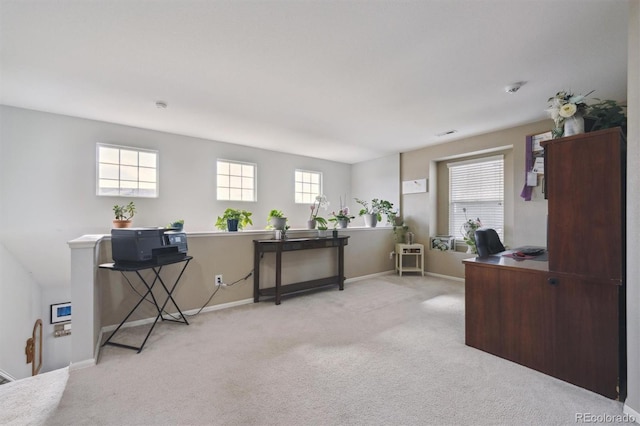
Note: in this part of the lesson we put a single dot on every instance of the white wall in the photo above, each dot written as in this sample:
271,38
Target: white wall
48,196
20,307
377,178
633,210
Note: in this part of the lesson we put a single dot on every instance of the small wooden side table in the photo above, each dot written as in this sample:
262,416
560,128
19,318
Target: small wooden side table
412,250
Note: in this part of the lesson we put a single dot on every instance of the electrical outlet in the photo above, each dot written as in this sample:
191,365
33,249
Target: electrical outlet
391,255
219,280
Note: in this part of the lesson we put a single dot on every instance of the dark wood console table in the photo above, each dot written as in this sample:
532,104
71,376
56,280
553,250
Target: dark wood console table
295,244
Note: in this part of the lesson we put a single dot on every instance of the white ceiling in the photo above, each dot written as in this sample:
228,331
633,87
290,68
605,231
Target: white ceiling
342,80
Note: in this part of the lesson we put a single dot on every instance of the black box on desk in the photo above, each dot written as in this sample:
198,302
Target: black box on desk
146,244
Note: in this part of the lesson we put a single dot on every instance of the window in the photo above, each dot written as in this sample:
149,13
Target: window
236,181
476,190
308,186
125,171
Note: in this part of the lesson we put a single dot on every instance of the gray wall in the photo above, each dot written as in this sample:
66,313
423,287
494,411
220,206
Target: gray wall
525,221
47,172
375,179
633,210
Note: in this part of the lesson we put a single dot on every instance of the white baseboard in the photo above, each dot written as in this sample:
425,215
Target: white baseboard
631,413
82,364
366,277
7,376
189,312
223,306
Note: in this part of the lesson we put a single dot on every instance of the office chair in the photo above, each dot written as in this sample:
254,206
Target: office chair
488,242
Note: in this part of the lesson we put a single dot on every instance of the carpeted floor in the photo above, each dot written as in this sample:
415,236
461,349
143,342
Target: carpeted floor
385,351
31,401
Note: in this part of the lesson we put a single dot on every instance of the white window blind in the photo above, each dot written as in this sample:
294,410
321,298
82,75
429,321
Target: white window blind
125,171
308,185
236,181
476,191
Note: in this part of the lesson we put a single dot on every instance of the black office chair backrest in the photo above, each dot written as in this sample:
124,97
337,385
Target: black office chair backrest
488,242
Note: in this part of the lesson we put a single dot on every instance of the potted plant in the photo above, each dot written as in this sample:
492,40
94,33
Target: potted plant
123,215
469,234
178,225
320,201
567,112
606,114
323,229
322,225
342,218
399,232
373,213
276,220
233,219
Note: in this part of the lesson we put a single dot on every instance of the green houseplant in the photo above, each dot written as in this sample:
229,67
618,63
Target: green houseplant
233,219
373,212
276,220
322,228
469,234
342,218
177,224
606,114
123,215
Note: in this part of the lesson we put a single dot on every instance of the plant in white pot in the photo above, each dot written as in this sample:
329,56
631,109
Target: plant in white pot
323,229
320,201
123,215
373,212
276,220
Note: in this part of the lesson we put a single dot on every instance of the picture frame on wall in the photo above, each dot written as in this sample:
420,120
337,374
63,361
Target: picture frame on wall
442,243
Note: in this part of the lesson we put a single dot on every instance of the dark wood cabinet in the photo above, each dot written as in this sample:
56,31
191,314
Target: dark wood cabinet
528,314
564,317
587,335
585,191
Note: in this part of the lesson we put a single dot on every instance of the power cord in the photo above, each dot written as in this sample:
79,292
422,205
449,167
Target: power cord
216,291
203,306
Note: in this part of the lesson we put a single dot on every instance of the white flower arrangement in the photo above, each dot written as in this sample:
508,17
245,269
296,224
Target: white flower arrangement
565,105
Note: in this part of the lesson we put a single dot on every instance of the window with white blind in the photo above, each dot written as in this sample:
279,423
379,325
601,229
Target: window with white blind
476,191
125,171
236,181
308,185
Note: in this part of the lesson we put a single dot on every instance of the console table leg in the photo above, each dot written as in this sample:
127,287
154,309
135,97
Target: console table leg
278,273
341,267
256,274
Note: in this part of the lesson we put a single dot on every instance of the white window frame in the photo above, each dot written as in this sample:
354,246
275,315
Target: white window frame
237,178
129,177
480,200
304,186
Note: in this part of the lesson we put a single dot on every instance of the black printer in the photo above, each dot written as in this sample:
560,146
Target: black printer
134,245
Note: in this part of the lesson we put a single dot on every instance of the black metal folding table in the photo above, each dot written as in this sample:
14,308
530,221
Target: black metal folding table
156,267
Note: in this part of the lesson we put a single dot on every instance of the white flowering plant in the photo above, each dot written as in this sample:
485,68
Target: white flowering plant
565,105
320,202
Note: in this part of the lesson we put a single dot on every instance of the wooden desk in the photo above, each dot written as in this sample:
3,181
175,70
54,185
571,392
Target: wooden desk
561,324
295,244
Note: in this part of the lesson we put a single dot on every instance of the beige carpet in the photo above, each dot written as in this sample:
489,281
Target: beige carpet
31,401
385,351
